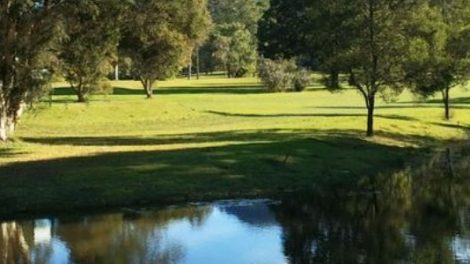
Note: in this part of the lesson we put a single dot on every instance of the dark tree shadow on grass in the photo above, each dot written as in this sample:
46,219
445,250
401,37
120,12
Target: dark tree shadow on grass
235,89
237,137
194,90
63,91
8,153
458,100
393,117
449,125
408,105
282,162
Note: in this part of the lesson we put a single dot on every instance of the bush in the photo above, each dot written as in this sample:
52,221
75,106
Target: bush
301,80
103,87
282,75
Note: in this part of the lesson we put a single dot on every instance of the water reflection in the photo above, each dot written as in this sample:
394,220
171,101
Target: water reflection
419,217
408,217
13,246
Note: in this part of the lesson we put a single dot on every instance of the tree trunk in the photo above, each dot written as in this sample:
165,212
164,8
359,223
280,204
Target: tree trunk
148,88
197,64
229,72
149,92
13,117
81,97
446,100
11,125
3,123
190,71
116,72
370,115
334,79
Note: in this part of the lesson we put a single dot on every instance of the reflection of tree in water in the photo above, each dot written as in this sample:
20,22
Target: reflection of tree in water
441,202
13,246
406,217
127,239
255,214
114,238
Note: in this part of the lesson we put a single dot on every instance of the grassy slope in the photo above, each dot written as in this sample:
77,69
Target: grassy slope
205,139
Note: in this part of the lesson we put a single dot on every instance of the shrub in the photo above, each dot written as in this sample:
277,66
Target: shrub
103,87
301,80
282,75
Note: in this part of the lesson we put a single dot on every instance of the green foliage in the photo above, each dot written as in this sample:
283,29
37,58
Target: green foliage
104,87
207,62
244,12
439,49
234,49
276,75
232,44
302,80
159,37
285,29
283,75
29,33
363,38
91,45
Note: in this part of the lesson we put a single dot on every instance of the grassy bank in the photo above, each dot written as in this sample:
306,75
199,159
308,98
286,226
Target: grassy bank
208,139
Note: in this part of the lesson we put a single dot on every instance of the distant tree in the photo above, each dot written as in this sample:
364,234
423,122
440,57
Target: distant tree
159,37
284,29
87,54
439,49
233,40
29,33
207,62
244,12
235,50
312,32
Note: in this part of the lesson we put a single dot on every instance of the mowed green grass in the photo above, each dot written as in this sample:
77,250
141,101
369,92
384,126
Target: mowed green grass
208,138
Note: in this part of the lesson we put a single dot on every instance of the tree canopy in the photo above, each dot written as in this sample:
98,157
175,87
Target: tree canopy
364,39
439,49
232,45
160,36
30,32
91,43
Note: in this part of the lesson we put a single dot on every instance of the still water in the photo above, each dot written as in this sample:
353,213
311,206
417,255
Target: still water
419,217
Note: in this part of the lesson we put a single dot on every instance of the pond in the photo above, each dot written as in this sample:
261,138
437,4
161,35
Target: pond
403,217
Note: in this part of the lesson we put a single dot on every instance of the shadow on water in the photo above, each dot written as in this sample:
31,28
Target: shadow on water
416,215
